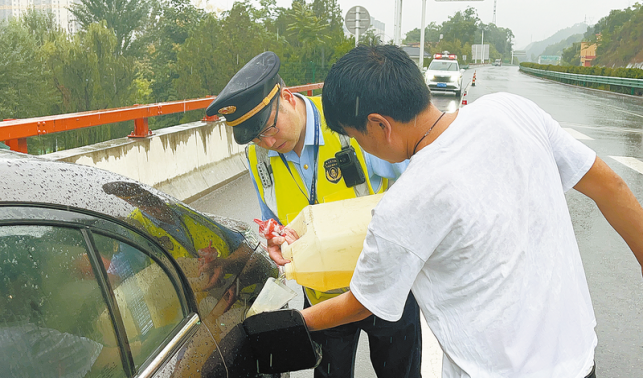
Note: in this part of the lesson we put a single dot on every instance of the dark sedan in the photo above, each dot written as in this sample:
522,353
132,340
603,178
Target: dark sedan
101,276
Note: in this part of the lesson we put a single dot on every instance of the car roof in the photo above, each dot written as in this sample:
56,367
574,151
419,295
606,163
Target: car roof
34,180
31,179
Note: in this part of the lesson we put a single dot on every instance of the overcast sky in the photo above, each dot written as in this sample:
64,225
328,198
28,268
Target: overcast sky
530,20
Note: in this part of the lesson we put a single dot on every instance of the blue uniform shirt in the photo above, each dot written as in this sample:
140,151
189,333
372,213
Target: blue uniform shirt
377,168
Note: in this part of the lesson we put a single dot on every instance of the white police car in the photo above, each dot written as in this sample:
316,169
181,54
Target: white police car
444,74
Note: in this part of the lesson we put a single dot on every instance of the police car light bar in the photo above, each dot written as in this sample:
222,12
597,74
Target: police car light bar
441,56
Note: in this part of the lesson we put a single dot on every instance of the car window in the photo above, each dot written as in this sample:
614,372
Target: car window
51,307
146,297
443,65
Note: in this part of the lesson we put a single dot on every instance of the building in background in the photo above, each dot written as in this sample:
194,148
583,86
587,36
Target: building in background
64,18
414,53
379,28
587,53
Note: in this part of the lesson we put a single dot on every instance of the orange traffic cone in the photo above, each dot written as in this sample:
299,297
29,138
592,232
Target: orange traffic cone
464,100
473,81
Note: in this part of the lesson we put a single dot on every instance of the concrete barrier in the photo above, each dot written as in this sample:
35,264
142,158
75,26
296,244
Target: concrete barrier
185,161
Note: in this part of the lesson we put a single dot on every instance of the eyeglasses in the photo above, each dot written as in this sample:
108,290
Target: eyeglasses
270,130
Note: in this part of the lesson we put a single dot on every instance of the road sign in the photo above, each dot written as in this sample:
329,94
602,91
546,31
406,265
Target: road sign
478,52
357,17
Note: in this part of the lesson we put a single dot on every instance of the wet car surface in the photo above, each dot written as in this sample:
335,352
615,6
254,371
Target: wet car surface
105,277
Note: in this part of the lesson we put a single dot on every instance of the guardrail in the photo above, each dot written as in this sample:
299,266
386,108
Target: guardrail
578,79
14,132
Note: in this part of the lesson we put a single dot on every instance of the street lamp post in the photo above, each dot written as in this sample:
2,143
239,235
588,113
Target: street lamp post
421,59
397,30
357,25
482,57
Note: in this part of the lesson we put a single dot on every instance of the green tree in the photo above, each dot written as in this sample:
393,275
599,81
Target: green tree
620,41
557,48
125,17
571,55
90,76
370,38
89,72
266,14
42,26
25,82
216,50
173,21
198,73
463,26
330,13
308,29
431,34
500,39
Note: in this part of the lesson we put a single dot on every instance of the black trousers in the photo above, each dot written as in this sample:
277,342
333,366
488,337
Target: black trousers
395,347
593,373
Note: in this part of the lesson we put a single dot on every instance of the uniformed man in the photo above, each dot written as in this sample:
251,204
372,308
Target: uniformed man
295,160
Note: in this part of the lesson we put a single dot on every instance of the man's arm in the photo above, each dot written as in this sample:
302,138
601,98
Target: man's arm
334,312
617,203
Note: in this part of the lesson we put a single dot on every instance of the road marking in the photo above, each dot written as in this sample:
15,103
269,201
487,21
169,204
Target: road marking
622,110
431,353
576,134
630,162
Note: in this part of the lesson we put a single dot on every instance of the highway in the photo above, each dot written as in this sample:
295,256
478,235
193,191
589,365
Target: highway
610,124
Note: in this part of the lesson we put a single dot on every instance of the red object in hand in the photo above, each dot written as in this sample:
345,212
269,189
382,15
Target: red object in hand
270,228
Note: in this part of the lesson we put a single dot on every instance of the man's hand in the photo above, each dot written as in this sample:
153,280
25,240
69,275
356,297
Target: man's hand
274,245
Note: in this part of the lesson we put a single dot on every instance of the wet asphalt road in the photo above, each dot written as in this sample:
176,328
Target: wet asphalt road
610,124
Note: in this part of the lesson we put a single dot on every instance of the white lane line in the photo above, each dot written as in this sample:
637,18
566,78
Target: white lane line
576,134
431,353
630,162
622,110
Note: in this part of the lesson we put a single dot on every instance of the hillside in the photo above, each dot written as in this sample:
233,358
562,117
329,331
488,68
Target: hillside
557,48
535,49
621,43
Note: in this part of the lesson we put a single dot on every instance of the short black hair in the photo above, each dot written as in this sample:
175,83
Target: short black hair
373,79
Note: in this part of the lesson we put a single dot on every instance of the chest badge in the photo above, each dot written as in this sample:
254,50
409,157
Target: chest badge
333,173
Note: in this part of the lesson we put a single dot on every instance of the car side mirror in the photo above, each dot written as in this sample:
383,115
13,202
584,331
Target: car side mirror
280,342
462,71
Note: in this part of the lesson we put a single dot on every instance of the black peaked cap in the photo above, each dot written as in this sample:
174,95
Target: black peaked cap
246,100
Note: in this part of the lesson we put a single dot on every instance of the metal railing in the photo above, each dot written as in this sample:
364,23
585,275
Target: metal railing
14,132
579,79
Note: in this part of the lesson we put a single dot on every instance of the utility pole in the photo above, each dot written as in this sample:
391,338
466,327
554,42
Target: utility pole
482,46
357,25
494,12
421,60
397,32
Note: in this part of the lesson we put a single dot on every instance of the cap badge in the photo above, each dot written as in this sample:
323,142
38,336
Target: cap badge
228,110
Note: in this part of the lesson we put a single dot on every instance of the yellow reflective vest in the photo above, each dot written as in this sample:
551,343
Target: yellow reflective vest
288,200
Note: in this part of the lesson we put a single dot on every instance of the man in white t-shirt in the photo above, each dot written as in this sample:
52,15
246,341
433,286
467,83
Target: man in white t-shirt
477,227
